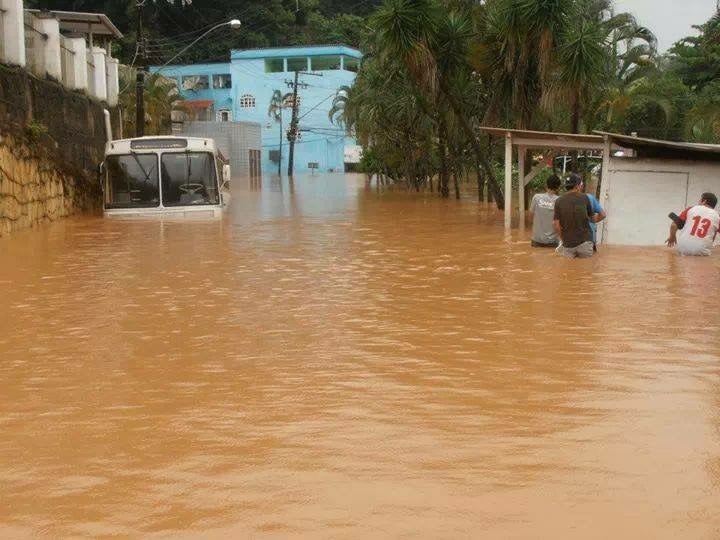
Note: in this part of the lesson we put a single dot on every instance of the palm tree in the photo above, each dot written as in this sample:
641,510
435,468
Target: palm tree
161,99
432,47
583,63
275,109
703,120
338,109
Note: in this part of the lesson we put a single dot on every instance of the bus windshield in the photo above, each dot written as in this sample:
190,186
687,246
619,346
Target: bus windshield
189,179
132,181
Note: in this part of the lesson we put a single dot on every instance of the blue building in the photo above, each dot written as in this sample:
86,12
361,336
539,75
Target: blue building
242,90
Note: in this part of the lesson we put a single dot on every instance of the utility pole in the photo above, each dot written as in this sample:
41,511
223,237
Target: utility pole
281,138
293,132
292,135
140,81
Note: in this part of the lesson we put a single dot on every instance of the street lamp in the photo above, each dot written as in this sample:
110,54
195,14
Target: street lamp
235,24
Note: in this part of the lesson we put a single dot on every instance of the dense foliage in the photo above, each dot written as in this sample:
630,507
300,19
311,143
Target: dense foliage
172,24
436,71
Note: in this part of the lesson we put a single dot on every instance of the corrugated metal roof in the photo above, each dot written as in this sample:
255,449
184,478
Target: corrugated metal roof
543,135
638,143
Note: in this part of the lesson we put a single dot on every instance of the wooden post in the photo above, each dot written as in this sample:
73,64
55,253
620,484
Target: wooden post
604,188
508,181
522,151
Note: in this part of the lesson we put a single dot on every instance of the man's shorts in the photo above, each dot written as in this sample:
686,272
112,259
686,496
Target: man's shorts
583,251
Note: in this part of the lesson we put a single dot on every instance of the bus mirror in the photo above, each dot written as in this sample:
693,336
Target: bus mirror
226,173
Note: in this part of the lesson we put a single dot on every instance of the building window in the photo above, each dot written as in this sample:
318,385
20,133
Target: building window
288,102
195,82
298,63
224,115
223,80
351,64
274,65
324,63
247,101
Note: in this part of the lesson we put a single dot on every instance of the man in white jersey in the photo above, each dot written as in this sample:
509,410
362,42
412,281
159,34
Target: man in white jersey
698,227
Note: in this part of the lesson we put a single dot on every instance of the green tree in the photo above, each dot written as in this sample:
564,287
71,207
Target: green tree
161,99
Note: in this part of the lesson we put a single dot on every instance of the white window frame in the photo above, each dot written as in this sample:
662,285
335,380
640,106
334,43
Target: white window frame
247,101
224,111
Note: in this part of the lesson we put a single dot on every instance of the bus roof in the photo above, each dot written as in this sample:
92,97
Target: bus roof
160,143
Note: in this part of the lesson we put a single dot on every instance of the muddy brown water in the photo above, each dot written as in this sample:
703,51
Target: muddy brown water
337,363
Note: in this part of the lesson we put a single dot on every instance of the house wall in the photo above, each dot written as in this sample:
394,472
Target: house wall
638,194
321,141
223,97
233,139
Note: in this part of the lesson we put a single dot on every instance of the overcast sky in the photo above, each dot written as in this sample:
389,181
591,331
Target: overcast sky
671,20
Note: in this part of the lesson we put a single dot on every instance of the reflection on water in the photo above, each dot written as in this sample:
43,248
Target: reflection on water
331,362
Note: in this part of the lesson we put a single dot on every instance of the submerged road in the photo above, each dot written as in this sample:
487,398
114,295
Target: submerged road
336,363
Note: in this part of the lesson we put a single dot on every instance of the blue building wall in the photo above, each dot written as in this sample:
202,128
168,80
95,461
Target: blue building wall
321,141
223,97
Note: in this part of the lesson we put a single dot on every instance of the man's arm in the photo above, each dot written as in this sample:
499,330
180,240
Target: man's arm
597,218
672,239
598,210
557,227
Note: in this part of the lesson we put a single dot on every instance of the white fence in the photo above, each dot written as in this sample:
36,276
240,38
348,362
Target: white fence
35,42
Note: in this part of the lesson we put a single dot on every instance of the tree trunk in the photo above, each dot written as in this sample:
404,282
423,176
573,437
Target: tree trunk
576,112
456,184
442,148
480,182
479,154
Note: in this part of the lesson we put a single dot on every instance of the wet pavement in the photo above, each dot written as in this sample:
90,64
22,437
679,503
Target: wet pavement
333,362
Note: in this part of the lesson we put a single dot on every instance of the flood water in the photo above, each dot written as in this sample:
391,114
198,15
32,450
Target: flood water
336,363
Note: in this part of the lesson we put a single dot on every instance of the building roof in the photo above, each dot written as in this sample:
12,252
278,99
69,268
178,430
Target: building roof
664,149
197,103
547,139
305,50
97,24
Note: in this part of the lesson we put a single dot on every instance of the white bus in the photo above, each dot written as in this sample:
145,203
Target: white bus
164,176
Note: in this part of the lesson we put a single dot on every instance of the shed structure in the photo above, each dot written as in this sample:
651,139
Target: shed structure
642,180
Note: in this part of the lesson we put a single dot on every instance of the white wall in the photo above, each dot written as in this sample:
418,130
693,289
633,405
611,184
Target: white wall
638,194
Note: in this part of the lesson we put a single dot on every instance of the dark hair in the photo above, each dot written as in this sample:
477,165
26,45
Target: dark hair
553,182
710,199
573,181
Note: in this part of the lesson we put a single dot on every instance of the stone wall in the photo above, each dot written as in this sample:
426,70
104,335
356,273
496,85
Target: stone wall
33,190
53,140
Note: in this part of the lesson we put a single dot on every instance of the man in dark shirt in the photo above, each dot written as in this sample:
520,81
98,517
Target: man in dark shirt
573,213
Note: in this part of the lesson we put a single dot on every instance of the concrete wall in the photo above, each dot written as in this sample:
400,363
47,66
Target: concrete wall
638,194
234,139
53,140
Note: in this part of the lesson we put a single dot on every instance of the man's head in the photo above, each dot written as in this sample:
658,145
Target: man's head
574,182
709,199
553,183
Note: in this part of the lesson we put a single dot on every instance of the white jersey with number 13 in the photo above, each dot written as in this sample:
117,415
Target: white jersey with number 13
698,234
